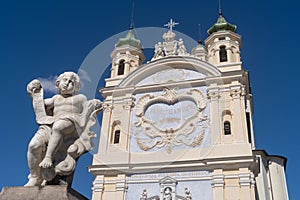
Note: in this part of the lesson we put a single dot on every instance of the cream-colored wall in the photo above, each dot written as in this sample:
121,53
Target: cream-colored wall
235,169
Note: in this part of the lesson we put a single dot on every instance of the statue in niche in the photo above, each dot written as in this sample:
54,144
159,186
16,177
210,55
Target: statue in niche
167,194
64,130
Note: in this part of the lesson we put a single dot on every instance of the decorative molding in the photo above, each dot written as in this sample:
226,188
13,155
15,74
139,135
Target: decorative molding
237,91
98,186
218,180
181,75
171,137
213,94
129,103
107,107
246,179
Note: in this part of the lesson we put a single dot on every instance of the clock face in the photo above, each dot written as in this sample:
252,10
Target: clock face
169,119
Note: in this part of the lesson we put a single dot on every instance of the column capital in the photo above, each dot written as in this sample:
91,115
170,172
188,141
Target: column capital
107,107
213,93
236,91
128,104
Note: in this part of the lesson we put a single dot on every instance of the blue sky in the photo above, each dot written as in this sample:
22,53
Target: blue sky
44,38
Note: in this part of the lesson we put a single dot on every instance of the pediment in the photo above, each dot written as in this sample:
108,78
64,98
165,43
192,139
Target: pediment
168,70
167,180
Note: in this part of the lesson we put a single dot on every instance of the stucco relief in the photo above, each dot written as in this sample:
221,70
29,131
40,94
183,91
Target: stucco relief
173,129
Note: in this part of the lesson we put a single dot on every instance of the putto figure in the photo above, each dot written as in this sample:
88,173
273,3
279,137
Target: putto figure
64,133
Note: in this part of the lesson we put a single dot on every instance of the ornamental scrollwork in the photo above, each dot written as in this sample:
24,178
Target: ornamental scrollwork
149,135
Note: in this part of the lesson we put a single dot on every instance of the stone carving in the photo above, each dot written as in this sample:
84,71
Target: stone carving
164,76
188,194
171,136
167,194
159,51
181,48
170,47
144,195
64,130
237,91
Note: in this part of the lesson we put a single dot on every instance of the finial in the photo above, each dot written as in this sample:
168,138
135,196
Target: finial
132,15
171,24
220,8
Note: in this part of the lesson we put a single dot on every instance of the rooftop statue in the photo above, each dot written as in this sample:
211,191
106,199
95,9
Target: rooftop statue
170,47
64,130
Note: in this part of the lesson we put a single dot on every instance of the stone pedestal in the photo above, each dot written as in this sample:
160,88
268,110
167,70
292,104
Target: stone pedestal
57,192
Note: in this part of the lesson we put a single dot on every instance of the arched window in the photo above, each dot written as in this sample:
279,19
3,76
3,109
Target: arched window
116,132
227,119
223,54
227,128
121,67
116,136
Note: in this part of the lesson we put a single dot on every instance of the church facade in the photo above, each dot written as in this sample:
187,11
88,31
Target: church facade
180,126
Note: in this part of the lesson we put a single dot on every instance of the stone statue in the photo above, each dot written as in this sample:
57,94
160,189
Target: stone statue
167,194
181,48
188,194
158,51
64,130
144,195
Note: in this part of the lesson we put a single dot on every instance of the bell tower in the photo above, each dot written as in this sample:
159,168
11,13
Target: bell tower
223,45
126,57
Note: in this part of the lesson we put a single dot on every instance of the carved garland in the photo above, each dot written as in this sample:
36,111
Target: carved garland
171,137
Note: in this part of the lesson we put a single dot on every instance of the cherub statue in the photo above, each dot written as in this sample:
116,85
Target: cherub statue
64,133
181,48
159,51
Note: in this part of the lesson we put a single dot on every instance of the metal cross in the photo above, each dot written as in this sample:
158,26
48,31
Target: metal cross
171,24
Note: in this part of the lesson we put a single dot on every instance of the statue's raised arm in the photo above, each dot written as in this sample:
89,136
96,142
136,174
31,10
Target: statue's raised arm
64,133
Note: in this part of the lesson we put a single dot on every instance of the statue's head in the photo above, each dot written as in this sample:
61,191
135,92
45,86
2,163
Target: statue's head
68,83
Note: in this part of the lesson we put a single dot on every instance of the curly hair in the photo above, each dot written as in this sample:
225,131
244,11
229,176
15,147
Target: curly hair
75,78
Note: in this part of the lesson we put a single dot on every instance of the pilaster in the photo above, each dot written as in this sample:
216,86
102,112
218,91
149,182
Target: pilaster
239,127
98,187
121,187
218,184
213,94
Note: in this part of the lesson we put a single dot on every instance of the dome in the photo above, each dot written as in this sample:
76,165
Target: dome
129,40
221,25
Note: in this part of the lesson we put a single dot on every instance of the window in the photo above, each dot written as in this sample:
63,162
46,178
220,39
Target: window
227,128
223,54
222,38
117,136
121,67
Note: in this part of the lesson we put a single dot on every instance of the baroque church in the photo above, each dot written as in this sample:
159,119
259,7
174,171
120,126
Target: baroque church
179,127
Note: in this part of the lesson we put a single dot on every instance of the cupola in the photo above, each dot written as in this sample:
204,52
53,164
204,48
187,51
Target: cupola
126,57
223,45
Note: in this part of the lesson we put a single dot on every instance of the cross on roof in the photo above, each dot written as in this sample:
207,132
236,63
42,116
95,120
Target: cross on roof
171,24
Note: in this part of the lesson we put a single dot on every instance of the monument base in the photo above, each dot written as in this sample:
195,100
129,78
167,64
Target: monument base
49,192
